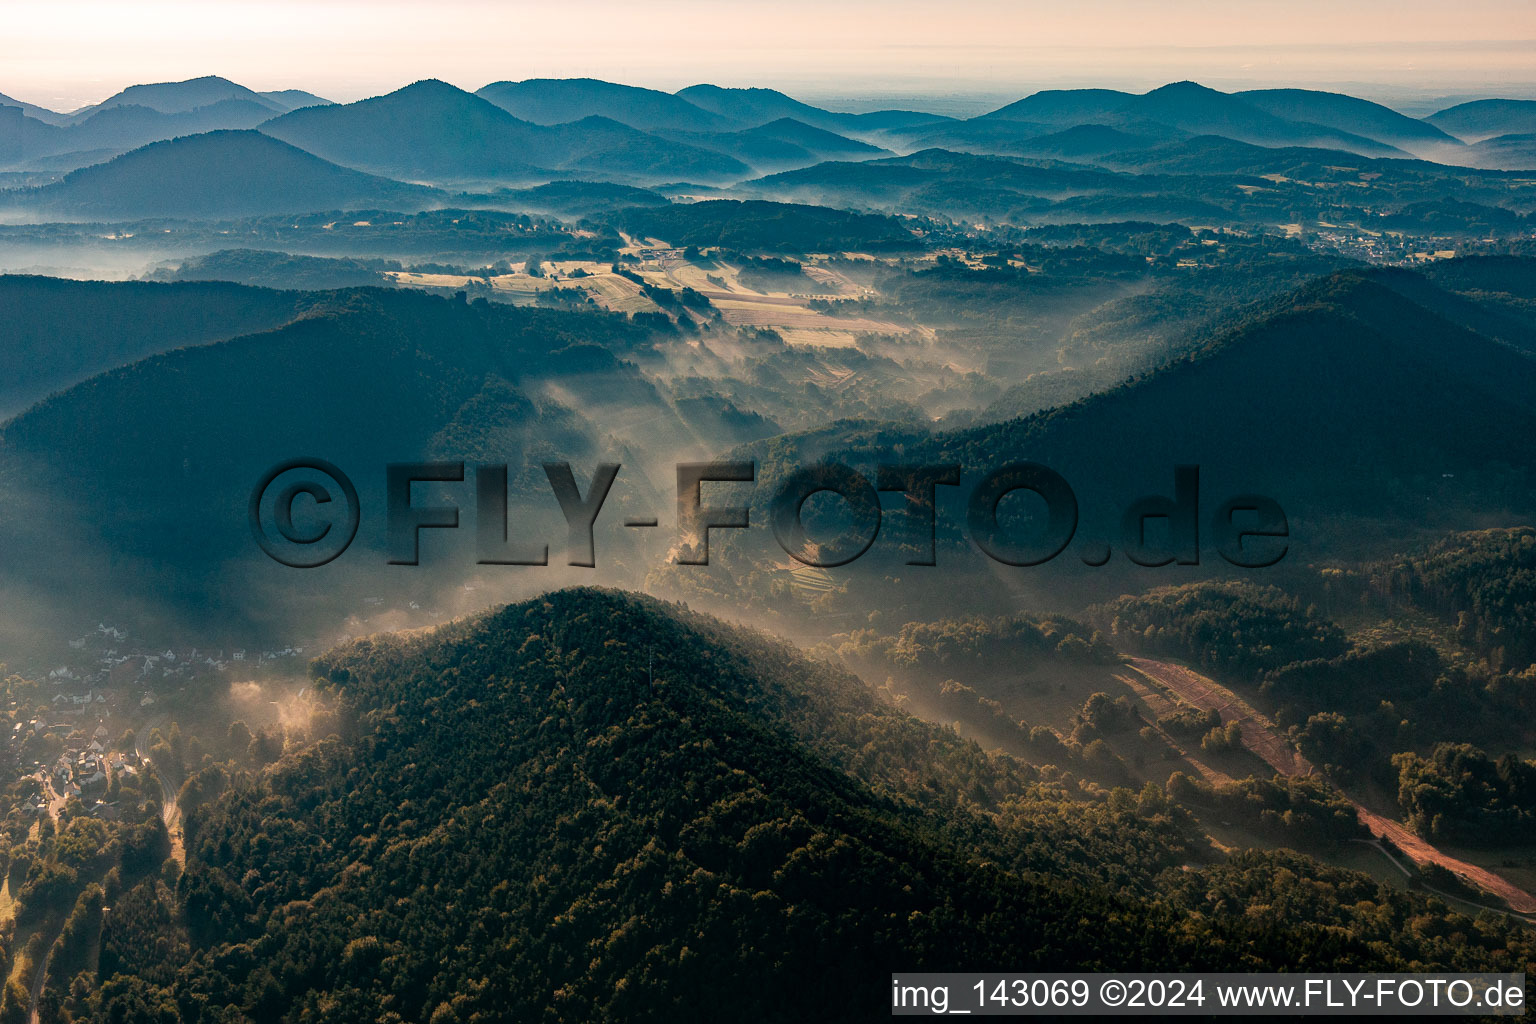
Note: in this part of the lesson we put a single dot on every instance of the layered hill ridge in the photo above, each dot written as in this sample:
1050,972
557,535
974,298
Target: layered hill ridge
785,142
1347,383
1348,114
216,174
430,131
121,127
60,332
1484,119
181,97
428,127
137,116
755,106
551,101
370,377
1191,108
34,111
633,812
1364,395
433,130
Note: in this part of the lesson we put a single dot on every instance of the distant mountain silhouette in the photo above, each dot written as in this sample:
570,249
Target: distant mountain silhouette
1348,114
180,97
133,126
1483,119
427,129
24,138
434,131
42,114
1216,154
550,101
218,174
135,117
293,99
752,107
829,145
1195,108
520,133
1063,107
604,146
119,128
1188,107
978,135
1085,141
1213,154
1001,137
782,143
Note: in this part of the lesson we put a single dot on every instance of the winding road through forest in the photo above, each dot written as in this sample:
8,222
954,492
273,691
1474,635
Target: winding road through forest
170,812
1263,737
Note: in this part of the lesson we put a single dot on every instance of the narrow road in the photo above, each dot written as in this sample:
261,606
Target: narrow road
56,800
1377,845
1261,736
40,976
170,813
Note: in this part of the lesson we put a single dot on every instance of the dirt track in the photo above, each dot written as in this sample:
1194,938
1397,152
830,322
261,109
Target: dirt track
1262,737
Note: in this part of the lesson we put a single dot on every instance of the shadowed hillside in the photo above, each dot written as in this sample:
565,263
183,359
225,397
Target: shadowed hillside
60,332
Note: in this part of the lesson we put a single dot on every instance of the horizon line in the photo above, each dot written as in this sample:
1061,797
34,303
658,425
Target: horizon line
898,89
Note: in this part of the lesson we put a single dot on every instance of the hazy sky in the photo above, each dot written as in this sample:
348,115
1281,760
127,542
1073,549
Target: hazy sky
65,54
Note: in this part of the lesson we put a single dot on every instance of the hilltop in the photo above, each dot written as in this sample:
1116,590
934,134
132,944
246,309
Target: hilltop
1483,119
635,812
551,101
217,174
1191,108
181,97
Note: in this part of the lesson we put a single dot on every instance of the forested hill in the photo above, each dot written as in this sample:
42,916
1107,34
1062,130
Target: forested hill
592,806
1343,368
1346,378
59,332
367,376
1361,394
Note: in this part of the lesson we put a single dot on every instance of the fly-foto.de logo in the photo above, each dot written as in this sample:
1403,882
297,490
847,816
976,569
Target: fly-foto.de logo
306,512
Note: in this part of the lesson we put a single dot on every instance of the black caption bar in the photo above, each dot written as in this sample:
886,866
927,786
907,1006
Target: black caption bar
1011,995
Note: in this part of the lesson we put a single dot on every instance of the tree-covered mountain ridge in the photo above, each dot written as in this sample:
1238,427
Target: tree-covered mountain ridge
596,806
1365,393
